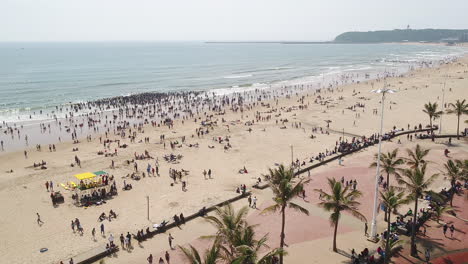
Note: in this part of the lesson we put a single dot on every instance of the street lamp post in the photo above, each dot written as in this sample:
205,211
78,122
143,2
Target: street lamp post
383,91
147,207
443,99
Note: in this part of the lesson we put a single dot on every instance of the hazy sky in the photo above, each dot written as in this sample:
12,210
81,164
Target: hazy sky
155,20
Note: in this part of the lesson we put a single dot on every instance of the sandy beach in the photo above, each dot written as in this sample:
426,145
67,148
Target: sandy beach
258,139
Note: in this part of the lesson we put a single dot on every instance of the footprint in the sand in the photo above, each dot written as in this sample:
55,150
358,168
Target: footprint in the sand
173,204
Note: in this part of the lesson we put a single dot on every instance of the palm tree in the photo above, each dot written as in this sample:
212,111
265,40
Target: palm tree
389,163
416,157
392,200
440,210
416,182
431,110
228,224
393,247
235,238
248,252
212,255
285,188
459,108
454,173
340,200
463,165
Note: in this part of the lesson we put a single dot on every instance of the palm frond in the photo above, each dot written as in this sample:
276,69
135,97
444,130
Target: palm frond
298,208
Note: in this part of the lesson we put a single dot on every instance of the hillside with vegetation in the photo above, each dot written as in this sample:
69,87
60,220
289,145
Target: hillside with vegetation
399,35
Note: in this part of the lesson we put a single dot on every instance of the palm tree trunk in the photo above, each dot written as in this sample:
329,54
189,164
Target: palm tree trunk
458,127
387,250
388,187
452,194
283,223
334,237
414,251
385,216
432,130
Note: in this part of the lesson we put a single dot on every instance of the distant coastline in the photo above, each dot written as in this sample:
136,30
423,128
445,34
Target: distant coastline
450,36
462,44
421,36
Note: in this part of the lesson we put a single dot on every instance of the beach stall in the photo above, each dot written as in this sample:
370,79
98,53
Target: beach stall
93,187
86,180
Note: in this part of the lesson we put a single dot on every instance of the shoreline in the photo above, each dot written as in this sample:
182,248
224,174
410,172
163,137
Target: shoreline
333,81
12,115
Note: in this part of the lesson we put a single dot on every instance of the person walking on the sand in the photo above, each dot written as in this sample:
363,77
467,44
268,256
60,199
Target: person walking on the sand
445,229
170,239
365,229
39,221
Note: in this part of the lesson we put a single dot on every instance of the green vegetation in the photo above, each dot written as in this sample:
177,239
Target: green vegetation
340,200
285,189
416,182
389,163
234,242
392,200
458,108
431,110
399,35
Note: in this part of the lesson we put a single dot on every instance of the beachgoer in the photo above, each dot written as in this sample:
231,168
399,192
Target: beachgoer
122,240
111,240
170,239
150,259
39,221
129,237
168,258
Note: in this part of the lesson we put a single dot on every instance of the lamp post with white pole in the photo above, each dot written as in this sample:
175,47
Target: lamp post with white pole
443,108
383,91
147,207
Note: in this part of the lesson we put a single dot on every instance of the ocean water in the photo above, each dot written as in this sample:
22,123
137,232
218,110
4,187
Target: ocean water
35,76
